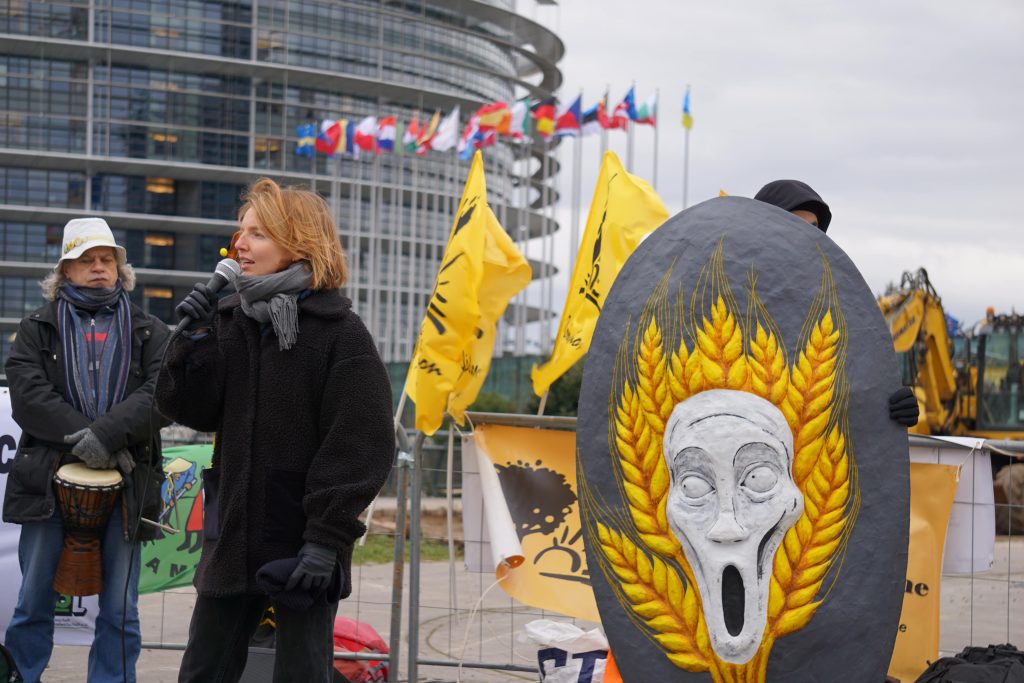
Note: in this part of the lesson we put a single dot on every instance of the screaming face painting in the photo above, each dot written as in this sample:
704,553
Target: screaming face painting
737,489
731,499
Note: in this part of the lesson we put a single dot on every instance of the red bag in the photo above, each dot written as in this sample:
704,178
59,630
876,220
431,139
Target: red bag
355,636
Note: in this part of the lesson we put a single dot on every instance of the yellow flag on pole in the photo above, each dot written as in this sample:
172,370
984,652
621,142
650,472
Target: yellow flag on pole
457,313
505,274
624,210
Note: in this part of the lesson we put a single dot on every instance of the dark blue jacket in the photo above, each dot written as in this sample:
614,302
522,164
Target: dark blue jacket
37,383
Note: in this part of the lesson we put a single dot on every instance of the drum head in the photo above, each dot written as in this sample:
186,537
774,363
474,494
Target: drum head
78,473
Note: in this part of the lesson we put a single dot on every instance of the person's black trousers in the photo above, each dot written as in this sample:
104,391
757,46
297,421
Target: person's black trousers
221,628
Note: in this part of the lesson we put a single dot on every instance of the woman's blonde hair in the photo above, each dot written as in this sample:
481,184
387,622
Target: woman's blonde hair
300,222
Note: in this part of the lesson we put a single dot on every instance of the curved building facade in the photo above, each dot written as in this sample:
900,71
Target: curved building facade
155,114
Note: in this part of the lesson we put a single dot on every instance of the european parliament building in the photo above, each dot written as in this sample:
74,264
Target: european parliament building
155,114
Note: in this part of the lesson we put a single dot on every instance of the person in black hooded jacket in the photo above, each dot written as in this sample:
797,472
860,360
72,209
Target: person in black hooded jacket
802,201
799,199
289,378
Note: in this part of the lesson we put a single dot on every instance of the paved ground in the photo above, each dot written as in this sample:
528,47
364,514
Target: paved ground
987,608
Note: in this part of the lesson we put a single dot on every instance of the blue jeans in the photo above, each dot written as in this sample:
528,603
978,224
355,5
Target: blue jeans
30,633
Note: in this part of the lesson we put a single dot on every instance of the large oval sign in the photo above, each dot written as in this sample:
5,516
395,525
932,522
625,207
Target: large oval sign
745,495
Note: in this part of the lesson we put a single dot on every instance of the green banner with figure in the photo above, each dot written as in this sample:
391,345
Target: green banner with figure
170,560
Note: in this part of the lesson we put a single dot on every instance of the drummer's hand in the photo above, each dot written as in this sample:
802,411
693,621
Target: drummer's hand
125,461
89,449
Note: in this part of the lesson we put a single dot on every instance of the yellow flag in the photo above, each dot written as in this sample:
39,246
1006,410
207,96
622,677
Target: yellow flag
624,209
461,305
505,274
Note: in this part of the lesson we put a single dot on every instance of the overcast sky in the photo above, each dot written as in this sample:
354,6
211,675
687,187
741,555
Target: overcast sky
907,116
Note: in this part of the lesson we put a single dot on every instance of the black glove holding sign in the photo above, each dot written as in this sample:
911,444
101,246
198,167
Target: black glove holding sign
903,407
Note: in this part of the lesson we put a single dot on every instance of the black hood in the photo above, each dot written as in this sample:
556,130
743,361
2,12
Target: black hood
792,195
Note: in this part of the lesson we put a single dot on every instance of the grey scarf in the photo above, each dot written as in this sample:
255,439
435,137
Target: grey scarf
274,298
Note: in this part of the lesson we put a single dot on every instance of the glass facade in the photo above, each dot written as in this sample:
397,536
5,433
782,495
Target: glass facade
156,114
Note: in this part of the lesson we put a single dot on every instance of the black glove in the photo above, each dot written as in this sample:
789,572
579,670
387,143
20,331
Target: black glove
90,450
903,407
316,566
125,461
199,305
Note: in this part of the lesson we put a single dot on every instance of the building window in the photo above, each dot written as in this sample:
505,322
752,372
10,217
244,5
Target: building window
159,301
159,250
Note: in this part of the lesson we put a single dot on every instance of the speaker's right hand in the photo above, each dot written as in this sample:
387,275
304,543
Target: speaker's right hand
198,306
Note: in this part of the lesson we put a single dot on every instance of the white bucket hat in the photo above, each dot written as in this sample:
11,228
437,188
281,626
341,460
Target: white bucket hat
82,234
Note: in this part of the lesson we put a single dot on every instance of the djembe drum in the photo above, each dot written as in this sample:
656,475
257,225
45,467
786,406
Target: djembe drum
86,498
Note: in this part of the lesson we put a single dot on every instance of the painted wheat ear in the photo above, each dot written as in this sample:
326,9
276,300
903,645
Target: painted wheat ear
659,599
720,342
809,547
769,376
645,477
809,396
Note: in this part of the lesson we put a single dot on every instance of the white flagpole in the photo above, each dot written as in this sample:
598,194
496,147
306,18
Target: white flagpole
629,146
545,200
604,131
574,227
686,162
686,169
629,132
654,174
522,236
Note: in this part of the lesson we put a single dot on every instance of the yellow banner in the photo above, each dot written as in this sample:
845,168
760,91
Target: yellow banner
932,488
453,311
505,273
537,471
623,211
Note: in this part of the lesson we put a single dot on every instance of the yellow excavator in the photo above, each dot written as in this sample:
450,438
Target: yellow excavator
974,388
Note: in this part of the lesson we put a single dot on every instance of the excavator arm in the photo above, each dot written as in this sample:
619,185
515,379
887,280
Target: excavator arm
917,323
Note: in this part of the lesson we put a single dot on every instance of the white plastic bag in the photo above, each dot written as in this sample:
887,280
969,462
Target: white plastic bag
567,653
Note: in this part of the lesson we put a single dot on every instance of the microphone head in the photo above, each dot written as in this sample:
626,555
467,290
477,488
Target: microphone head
228,269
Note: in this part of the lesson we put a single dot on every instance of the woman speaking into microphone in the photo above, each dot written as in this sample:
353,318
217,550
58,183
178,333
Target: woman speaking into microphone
290,380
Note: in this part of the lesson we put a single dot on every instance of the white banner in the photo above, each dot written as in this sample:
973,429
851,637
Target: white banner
75,618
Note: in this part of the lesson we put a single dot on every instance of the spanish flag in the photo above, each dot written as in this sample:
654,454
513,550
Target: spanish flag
624,210
480,270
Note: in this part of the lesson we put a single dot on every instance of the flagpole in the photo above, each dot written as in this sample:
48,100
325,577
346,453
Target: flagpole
629,146
523,230
654,174
545,229
630,126
604,131
549,304
686,161
312,170
574,228
686,168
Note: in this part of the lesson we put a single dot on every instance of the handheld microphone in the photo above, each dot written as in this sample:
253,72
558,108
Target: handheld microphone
227,270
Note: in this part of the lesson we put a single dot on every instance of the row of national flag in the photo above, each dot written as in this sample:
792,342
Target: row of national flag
481,270
519,121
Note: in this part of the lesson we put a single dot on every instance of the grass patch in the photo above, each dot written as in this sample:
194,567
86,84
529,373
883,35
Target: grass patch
380,549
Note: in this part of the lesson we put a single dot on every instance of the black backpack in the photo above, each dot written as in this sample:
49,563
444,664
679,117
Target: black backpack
992,664
8,670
